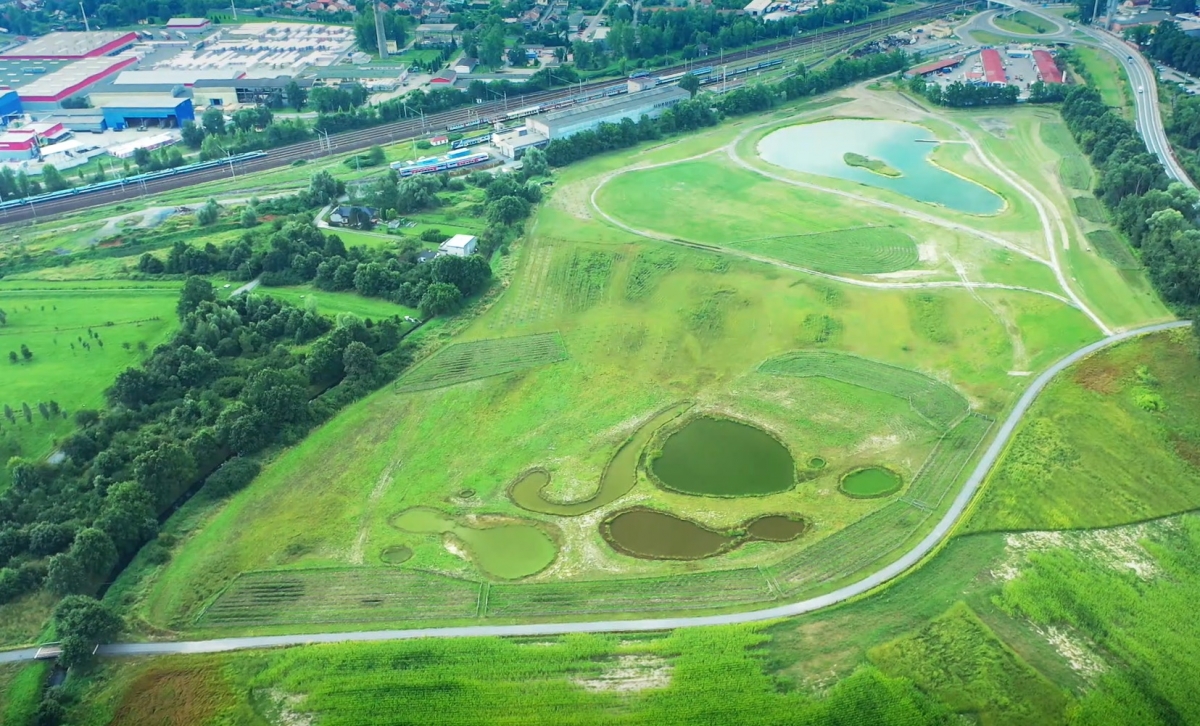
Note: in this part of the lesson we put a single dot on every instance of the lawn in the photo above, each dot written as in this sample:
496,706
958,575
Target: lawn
1107,75
333,303
54,321
1024,22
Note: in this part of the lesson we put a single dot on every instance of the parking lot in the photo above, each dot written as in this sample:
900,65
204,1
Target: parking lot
1019,68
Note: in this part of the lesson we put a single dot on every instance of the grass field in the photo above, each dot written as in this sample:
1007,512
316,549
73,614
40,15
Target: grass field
1089,208
463,362
1108,77
118,322
1024,22
332,303
1115,441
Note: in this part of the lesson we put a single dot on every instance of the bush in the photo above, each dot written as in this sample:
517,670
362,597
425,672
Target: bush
232,476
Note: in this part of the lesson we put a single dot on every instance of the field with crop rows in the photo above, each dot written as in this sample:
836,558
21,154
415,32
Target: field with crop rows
581,279
860,250
647,269
463,362
1113,248
1075,172
1089,208
937,402
694,591
352,595
946,462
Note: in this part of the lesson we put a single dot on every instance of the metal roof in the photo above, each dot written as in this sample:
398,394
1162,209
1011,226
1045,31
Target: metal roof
993,67
1047,67
72,45
73,78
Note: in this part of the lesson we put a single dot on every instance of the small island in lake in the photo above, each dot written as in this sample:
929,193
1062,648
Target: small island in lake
866,162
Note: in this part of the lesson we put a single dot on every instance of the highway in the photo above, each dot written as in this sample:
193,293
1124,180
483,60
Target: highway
926,546
418,127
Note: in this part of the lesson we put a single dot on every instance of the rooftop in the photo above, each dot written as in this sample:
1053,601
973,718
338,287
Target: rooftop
174,77
72,45
187,22
73,78
608,106
163,101
15,72
1047,67
993,67
935,66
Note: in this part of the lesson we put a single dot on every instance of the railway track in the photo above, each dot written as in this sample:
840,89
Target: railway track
415,127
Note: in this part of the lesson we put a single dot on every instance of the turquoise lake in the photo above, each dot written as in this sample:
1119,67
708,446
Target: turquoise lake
818,148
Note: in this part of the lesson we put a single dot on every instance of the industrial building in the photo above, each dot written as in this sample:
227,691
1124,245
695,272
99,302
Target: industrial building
10,106
1047,68
46,93
460,245
22,144
73,46
218,92
116,95
164,111
513,143
562,124
189,25
934,67
993,67
79,119
757,7
169,78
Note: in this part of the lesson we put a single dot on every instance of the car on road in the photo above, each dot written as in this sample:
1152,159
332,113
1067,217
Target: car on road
1141,88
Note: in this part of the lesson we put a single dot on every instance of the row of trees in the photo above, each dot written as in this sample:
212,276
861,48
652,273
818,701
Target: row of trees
225,386
1168,44
961,95
250,129
1158,217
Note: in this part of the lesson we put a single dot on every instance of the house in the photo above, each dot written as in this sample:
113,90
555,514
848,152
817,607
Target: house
460,245
465,65
353,216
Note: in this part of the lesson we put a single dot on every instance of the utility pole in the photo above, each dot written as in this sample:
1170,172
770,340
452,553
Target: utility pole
233,8
85,20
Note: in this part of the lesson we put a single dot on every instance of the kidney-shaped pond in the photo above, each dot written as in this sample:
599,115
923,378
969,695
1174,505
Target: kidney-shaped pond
509,549
723,458
821,148
654,535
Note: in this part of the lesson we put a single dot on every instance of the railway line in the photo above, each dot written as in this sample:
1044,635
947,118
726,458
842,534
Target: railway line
410,128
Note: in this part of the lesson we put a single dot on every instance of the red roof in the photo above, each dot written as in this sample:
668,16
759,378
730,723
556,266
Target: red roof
993,67
108,48
935,66
1047,67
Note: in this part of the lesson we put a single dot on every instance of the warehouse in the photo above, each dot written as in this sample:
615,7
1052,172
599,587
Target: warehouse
934,67
135,111
73,46
1046,66
115,95
993,67
565,123
10,106
169,78
513,143
79,119
22,144
267,91
47,92
189,25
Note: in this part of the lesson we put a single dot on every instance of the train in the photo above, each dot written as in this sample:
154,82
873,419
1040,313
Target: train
474,140
135,179
445,163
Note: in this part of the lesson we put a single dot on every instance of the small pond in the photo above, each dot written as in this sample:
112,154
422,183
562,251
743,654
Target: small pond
620,475
722,458
507,550
653,535
871,482
820,148
396,554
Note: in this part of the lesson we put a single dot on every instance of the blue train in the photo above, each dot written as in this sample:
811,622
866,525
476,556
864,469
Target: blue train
135,179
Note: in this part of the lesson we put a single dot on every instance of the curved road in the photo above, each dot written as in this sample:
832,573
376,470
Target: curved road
911,558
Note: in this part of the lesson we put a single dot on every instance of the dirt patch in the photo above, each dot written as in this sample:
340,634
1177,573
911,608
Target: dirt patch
575,199
1186,450
997,127
1075,649
1119,548
174,697
1099,375
285,705
629,674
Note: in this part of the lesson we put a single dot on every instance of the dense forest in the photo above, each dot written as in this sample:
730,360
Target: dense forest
1158,217
228,384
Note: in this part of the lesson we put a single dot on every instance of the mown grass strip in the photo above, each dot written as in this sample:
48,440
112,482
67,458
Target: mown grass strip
1089,208
463,362
1113,248
859,250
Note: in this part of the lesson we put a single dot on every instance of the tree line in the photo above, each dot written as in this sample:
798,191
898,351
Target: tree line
703,111
1158,217
228,384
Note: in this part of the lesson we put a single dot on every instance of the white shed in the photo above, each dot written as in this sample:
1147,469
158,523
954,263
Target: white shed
460,245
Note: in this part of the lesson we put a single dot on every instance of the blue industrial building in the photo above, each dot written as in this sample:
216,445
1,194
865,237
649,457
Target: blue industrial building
10,106
160,111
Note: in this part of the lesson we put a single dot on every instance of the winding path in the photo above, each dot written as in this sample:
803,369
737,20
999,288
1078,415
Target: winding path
863,586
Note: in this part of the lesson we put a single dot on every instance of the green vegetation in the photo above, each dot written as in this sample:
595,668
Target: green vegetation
463,362
78,336
1115,440
719,457
1113,249
1023,22
875,165
1090,209
1106,75
870,482
503,549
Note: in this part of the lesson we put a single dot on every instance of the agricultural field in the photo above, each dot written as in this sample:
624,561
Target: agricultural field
79,336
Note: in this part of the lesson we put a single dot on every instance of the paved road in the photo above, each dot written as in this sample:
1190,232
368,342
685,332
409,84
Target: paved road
911,558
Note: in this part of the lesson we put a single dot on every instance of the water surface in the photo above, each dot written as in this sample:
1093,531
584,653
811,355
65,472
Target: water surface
819,148
654,535
723,458
872,481
507,550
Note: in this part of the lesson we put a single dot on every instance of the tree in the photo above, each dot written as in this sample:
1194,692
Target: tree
439,298
280,394
150,264
375,156
491,49
249,217
690,83
65,575
196,290
213,121
295,95
209,213
507,210
94,550
26,353
359,361
533,163
13,357
165,472
516,57
193,135
82,622
53,179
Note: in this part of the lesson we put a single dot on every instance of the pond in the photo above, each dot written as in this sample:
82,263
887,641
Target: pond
653,535
722,458
870,482
508,550
620,475
820,148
